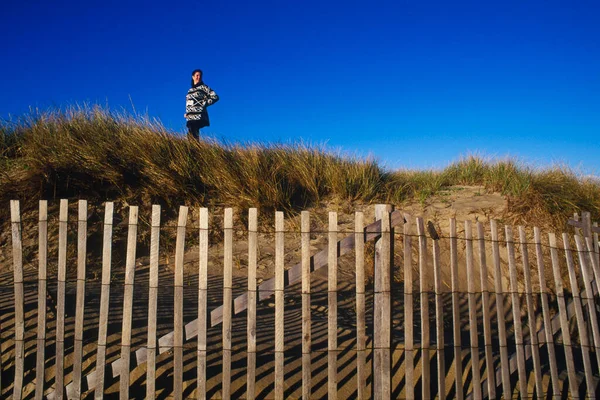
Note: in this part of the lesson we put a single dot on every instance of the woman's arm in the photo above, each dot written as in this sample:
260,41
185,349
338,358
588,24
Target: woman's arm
211,97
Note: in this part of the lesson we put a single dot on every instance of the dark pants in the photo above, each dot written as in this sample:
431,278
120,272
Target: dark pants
194,129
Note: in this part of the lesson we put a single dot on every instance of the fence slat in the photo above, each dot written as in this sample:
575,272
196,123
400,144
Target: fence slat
581,325
382,304
577,228
531,315
97,380
128,303
17,248
516,310
596,246
564,323
485,305
361,339
408,312
595,264
202,302
60,299
556,390
474,339
74,388
456,321
506,387
42,293
424,288
586,220
178,306
439,321
332,307
251,334
279,305
227,299
306,317
589,293
152,304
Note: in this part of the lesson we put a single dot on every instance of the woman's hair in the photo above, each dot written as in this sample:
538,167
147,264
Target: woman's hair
193,72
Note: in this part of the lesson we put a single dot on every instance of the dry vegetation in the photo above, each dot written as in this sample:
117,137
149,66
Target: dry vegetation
92,153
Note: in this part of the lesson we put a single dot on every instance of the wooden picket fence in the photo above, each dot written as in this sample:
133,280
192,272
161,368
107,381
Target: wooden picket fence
540,335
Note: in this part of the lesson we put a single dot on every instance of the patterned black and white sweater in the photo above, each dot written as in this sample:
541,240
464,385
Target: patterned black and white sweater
197,99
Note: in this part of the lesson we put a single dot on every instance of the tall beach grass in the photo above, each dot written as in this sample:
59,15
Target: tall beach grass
93,153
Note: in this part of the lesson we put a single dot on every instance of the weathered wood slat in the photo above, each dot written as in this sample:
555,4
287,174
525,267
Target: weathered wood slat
576,223
227,300
586,220
74,389
332,308
408,312
165,342
97,380
506,386
152,305
178,305
306,317
456,320
588,293
17,249
279,305
439,321
547,328
580,225
531,315
382,307
424,289
591,245
42,293
582,328
485,305
595,229
474,339
564,323
60,299
128,304
361,339
595,263
596,245
516,311
203,297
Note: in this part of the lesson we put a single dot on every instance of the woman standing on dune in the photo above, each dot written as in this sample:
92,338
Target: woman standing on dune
198,98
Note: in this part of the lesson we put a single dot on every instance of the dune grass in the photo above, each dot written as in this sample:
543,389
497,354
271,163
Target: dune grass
92,153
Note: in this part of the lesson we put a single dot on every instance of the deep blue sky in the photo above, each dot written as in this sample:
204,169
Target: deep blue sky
417,84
